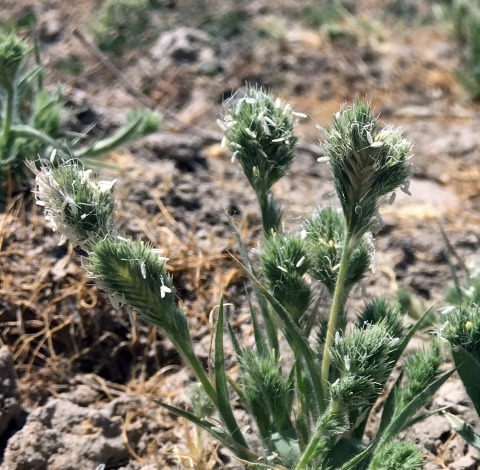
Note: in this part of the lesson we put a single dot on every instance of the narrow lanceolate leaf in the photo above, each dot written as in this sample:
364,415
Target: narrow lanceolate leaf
233,337
215,431
423,416
469,371
351,464
389,408
224,406
267,319
292,331
465,430
257,332
400,421
418,325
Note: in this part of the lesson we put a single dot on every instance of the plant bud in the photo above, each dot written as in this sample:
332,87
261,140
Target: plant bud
12,53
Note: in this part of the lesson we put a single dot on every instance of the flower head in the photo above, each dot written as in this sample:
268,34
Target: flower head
75,203
259,132
324,236
366,164
132,272
284,262
460,326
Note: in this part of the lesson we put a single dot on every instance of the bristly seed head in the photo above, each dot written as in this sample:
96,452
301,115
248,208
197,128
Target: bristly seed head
130,271
259,132
366,164
76,203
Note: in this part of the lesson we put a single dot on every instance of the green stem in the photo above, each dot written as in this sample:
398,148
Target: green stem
8,116
263,201
302,426
320,429
192,360
270,220
337,304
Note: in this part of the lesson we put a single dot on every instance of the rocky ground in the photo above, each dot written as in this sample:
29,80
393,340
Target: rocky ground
76,378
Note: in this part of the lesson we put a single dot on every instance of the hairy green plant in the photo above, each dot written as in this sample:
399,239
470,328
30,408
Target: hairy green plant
259,133
123,24
32,118
459,326
324,233
463,18
318,14
397,456
309,413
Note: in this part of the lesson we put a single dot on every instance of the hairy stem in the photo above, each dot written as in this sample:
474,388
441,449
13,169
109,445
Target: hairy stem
263,201
321,428
8,116
192,360
337,304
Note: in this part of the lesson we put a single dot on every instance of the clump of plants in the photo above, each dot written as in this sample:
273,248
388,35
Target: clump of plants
464,19
32,118
318,14
123,24
311,413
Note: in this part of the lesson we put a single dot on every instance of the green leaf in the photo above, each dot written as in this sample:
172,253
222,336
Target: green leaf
419,324
224,406
469,371
424,416
302,419
236,345
286,443
343,451
307,329
139,124
26,80
291,330
358,458
32,133
267,319
238,390
257,332
215,431
96,163
465,430
389,408
400,421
